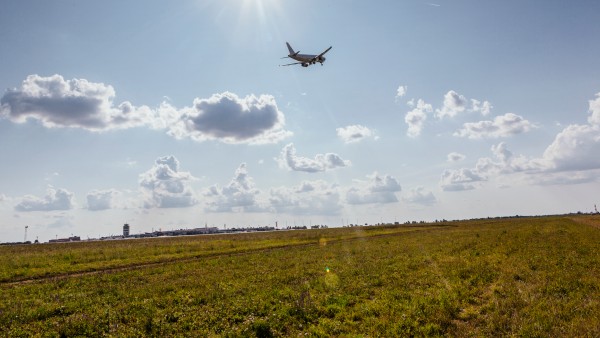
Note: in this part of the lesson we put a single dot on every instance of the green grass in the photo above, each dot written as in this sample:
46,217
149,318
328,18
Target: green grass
503,277
47,260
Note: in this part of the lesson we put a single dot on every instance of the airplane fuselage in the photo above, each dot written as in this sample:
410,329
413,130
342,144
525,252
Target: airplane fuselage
305,59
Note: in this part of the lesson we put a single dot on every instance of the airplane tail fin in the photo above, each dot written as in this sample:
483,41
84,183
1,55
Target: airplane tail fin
290,49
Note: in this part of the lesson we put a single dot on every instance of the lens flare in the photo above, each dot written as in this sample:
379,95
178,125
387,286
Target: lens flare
331,279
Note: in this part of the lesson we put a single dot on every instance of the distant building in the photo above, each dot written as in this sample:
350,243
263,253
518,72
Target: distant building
63,240
126,230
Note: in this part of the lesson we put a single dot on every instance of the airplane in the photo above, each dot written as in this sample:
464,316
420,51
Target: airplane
304,59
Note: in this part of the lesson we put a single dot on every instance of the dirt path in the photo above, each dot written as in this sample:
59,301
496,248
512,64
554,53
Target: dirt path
135,266
591,220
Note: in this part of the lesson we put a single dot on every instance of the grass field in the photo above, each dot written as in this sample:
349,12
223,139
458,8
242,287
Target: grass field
500,277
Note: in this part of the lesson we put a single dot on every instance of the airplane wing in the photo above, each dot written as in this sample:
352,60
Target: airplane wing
289,64
317,57
327,50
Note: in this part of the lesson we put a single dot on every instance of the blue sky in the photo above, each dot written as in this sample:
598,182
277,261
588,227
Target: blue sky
175,114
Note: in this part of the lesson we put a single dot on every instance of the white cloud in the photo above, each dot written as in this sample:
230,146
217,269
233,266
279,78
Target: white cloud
164,186
309,198
401,91
321,162
455,157
594,118
101,199
415,119
503,163
55,199
231,119
420,196
354,133
239,195
76,103
572,158
502,126
377,189
506,162
79,103
454,104
484,107
460,179
577,147
538,171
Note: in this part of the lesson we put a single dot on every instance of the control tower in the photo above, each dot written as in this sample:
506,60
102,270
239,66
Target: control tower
126,230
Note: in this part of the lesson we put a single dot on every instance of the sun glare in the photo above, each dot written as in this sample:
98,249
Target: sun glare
262,16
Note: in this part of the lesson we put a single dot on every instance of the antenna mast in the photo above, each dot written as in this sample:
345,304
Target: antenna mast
27,226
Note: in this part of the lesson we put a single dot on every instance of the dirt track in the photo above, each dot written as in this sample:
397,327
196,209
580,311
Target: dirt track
593,220
108,270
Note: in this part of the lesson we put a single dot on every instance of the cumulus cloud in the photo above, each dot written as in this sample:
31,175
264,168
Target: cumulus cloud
577,147
79,103
231,119
164,186
538,171
76,103
309,198
401,91
239,195
455,157
594,118
460,179
572,158
321,162
502,126
101,199
377,189
415,119
484,107
501,164
55,199
354,133
454,104
420,196
504,162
